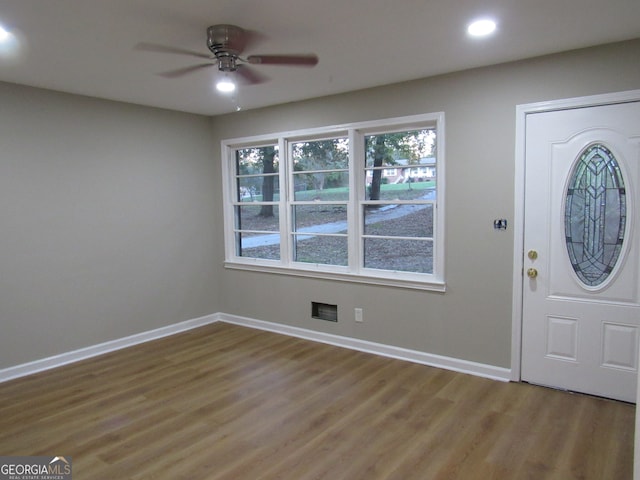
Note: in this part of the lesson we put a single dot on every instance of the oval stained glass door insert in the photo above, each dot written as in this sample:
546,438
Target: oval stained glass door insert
595,215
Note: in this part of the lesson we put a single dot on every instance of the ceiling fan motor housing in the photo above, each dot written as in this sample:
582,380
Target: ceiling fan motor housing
226,40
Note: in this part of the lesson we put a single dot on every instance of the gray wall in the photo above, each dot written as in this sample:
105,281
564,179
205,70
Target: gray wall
106,221
110,213
472,320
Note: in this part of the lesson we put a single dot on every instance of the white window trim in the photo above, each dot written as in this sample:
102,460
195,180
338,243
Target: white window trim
351,273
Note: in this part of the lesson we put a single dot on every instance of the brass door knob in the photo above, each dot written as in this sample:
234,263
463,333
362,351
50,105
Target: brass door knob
532,273
532,254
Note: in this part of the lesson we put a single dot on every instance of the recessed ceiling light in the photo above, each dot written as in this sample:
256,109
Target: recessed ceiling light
9,43
5,35
481,28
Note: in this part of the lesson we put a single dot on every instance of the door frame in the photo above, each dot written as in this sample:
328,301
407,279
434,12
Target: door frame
519,188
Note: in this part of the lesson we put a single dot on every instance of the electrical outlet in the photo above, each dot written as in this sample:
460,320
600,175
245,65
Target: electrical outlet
358,315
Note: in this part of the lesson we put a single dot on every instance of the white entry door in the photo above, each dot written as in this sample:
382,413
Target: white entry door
581,295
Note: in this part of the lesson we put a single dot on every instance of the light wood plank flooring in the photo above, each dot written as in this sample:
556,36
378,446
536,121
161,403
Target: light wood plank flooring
227,402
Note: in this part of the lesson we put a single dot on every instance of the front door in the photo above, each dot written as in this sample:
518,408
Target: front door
581,295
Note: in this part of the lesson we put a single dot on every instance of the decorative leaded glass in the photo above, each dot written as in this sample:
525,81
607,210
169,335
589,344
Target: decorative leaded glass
595,215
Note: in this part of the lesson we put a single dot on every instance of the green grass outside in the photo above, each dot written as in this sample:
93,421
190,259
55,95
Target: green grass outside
403,191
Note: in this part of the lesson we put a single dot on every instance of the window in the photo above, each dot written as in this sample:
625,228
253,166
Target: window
595,215
256,209
398,216
361,202
319,224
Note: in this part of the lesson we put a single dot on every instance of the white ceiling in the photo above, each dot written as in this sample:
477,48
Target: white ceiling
87,46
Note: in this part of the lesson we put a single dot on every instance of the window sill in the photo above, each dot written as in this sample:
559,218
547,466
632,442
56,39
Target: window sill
431,285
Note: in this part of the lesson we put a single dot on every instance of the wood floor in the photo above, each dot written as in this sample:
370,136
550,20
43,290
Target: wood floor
227,402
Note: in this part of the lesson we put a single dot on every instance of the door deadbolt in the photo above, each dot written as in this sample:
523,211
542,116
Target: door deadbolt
532,254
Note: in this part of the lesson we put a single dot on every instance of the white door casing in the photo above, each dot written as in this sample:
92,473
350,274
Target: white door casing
573,335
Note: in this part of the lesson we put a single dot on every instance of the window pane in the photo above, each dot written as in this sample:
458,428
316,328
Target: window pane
399,220
322,249
322,218
326,186
257,160
410,190
399,255
262,188
595,215
257,217
329,154
320,170
265,246
411,156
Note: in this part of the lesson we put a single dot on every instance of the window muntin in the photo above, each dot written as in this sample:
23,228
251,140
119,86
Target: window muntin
326,222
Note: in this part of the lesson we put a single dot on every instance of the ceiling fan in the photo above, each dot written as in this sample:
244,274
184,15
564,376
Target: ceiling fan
226,43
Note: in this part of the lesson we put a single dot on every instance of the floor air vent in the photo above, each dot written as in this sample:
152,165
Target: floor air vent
324,311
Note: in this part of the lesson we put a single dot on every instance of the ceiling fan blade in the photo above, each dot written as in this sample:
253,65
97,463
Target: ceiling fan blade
307,60
154,47
250,76
253,38
180,72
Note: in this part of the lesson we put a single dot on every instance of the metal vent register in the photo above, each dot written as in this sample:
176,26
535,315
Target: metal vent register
324,311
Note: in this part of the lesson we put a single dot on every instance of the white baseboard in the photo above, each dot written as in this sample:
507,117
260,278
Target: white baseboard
439,361
448,363
102,348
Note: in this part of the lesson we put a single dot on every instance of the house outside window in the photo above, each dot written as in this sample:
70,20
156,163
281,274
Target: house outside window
361,202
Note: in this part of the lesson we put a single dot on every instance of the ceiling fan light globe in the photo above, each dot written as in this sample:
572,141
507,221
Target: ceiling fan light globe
225,86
